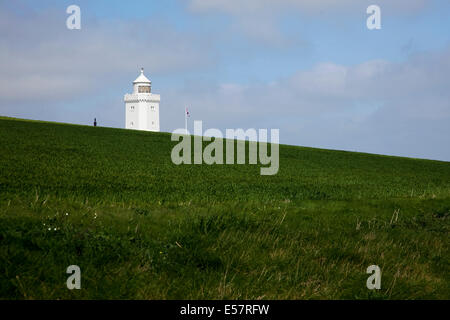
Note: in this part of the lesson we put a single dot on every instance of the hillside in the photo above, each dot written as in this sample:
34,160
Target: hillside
112,202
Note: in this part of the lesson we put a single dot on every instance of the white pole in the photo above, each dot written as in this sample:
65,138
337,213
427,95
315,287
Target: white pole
185,120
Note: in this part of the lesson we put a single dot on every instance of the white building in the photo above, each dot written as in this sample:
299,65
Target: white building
142,106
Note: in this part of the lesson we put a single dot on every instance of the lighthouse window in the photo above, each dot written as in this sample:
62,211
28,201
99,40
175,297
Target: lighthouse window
144,89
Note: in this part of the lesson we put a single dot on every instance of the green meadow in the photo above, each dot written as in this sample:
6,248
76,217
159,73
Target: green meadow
112,202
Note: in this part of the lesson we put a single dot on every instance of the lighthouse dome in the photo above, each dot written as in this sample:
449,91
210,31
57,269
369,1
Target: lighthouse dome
142,84
142,78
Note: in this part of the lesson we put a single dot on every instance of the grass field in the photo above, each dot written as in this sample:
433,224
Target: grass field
140,227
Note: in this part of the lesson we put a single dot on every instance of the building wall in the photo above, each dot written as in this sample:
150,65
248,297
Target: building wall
132,115
153,116
145,114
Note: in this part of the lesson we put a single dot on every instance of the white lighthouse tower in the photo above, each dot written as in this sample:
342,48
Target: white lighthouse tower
142,106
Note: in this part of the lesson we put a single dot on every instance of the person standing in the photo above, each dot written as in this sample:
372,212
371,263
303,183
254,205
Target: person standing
95,122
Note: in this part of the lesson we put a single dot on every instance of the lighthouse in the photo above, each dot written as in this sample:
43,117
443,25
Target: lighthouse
142,106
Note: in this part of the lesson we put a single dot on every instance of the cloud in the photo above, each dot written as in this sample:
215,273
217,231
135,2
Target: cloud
238,8
42,60
261,20
377,106
423,76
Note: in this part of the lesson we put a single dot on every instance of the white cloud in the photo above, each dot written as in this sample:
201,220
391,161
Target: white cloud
376,106
41,59
260,19
239,8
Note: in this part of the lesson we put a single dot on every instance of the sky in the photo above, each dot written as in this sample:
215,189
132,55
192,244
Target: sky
310,68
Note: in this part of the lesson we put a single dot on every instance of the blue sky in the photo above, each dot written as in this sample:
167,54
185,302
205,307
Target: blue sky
310,68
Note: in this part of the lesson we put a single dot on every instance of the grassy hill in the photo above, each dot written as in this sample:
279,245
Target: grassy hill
112,202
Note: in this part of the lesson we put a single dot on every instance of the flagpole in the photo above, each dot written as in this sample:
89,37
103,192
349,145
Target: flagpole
185,121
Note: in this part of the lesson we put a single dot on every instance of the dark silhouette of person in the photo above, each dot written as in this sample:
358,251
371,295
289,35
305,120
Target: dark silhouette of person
95,122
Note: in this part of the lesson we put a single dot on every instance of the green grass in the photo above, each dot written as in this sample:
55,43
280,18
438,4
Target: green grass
141,227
